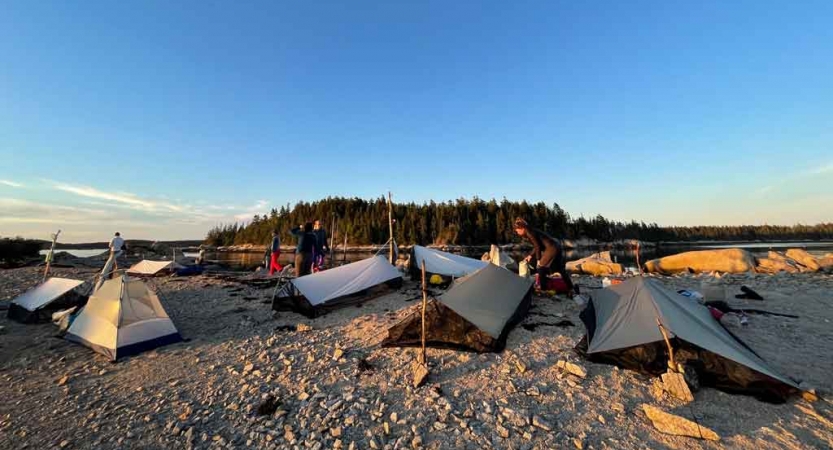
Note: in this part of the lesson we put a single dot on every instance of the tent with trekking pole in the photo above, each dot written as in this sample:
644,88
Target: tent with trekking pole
500,258
623,328
122,318
443,263
318,293
38,304
151,268
476,314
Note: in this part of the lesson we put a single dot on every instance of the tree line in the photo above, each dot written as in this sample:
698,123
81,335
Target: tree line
477,222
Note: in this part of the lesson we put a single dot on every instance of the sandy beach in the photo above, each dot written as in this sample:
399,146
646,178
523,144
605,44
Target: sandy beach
205,392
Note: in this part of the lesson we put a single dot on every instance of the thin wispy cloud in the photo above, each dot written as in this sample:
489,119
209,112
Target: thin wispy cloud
765,189
259,208
822,170
93,208
86,191
11,184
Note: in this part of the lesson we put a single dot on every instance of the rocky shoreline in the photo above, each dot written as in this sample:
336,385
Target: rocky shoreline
248,378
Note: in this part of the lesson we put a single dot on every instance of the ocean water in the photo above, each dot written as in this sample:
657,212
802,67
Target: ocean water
249,261
81,253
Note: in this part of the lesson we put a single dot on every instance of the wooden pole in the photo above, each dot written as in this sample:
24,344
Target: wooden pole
639,266
390,226
423,356
671,364
345,248
333,240
49,255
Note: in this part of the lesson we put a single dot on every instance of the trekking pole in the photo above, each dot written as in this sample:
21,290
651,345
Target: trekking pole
423,356
49,255
671,365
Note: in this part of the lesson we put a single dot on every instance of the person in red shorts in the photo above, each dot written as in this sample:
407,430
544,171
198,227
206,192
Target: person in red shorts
274,265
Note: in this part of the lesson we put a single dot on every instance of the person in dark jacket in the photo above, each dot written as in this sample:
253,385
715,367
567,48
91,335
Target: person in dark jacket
547,252
304,249
321,246
275,252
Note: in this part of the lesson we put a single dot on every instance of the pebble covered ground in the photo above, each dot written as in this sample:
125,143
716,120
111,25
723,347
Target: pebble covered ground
248,378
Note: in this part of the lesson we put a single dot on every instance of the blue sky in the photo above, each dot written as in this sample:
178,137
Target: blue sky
163,118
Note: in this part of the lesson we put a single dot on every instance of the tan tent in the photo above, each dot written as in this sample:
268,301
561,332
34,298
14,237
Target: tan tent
622,329
598,264
732,260
122,318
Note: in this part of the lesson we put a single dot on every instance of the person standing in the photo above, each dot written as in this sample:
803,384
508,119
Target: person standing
304,249
547,252
321,246
117,247
275,249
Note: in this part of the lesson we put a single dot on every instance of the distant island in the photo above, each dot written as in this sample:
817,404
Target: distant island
478,222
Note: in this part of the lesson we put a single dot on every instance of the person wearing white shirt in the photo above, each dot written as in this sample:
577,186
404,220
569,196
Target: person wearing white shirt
116,244
117,247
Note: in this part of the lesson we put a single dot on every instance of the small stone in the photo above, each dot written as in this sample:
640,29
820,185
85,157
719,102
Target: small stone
65,442
602,419
303,327
572,369
373,444
394,417
416,442
248,368
303,396
527,435
537,421
102,372
520,365
289,436
386,426
420,372
502,431
62,381
674,383
578,443
533,391
338,443
439,426
335,432
337,354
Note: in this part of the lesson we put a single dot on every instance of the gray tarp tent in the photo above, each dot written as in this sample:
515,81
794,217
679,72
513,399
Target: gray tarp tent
622,328
148,267
444,263
476,314
37,305
314,294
